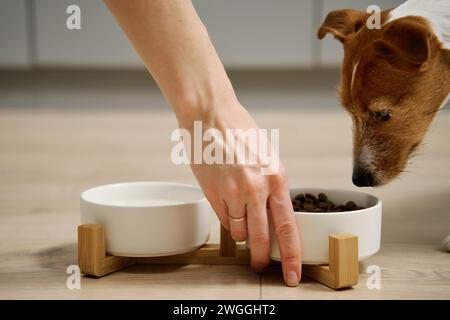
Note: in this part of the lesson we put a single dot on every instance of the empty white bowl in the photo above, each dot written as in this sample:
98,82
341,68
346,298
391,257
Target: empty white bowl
316,227
148,219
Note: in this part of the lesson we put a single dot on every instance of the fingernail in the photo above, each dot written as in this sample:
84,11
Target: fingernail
292,279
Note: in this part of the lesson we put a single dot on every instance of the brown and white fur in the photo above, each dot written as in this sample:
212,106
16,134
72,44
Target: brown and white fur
393,82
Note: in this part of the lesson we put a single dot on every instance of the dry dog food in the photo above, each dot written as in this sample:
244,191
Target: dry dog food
310,203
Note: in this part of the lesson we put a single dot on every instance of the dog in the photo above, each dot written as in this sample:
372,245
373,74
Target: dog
394,79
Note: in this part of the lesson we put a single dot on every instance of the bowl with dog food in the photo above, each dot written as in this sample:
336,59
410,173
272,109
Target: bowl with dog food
320,213
148,219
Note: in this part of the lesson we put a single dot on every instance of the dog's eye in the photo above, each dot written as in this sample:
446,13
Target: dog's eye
381,115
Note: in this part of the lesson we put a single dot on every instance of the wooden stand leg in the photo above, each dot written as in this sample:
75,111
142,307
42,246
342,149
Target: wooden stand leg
227,244
92,258
343,270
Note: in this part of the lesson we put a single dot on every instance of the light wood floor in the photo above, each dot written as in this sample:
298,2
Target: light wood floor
48,157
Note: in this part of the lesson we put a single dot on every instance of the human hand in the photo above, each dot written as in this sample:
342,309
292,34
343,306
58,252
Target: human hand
176,49
240,195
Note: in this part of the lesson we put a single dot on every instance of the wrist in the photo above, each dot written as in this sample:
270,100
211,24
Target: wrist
204,106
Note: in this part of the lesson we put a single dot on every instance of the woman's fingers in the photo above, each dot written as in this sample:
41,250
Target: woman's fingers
287,234
244,213
237,220
258,233
220,208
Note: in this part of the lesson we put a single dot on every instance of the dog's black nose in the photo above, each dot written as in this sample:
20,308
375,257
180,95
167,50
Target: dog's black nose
362,177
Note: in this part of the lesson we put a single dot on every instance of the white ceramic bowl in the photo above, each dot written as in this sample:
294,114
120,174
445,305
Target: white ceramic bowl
316,227
148,219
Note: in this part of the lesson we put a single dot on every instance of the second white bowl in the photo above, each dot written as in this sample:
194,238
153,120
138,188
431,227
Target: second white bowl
315,228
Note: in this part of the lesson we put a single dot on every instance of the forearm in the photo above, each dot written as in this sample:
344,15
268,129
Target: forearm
176,49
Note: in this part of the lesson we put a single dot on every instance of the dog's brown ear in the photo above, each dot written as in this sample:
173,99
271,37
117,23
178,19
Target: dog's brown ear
342,23
405,44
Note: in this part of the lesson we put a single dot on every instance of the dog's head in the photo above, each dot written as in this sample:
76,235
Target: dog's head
393,81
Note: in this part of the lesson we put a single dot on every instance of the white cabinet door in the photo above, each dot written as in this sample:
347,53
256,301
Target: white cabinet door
331,52
14,50
99,43
260,33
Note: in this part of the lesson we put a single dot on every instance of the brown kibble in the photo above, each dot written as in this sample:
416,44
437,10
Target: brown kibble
309,200
297,203
323,205
310,196
350,205
310,203
300,197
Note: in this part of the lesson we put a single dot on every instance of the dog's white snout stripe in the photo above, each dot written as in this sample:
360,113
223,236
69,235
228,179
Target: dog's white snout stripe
355,67
366,158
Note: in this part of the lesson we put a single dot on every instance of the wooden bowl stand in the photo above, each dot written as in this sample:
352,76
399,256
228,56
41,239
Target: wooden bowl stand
342,271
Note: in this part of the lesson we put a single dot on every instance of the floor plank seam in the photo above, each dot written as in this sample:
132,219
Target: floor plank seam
260,287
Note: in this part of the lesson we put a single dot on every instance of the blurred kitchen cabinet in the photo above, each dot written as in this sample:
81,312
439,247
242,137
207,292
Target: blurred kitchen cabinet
99,43
246,33
260,33
331,52
14,51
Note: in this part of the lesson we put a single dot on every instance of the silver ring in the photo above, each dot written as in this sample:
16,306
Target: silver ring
237,219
